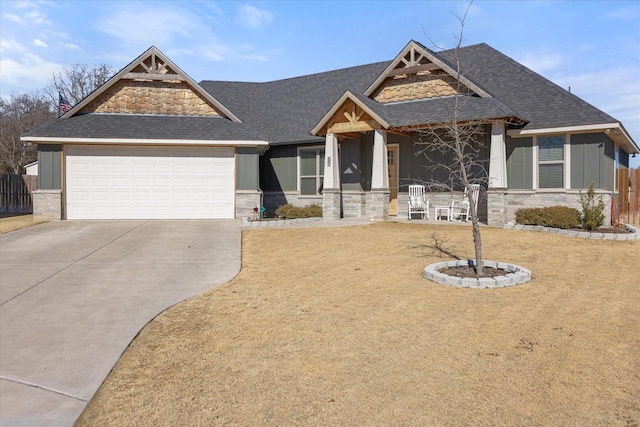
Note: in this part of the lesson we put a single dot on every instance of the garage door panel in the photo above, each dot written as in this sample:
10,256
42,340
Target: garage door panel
149,183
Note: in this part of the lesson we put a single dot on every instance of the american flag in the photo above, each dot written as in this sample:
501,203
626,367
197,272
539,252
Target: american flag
64,104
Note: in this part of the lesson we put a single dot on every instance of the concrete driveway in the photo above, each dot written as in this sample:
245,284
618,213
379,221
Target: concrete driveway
73,294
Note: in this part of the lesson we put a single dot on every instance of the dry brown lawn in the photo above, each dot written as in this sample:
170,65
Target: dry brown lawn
9,222
335,326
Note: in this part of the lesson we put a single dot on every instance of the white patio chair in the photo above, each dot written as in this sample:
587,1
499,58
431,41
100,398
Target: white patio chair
460,208
417,202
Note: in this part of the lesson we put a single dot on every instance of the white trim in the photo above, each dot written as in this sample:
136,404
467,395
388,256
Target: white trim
348,95
563,162
498,156
319,166
567,161
331,170
380,164
431,56
137,141
527,132
534,182
122,73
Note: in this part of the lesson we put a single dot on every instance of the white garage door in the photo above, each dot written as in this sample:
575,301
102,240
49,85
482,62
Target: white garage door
149,182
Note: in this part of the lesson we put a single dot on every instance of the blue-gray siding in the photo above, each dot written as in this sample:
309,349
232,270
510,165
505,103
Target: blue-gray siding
50,166
592,158
520,163
278,168
419,163
247,168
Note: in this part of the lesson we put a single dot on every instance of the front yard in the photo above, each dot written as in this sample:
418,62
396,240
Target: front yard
335,326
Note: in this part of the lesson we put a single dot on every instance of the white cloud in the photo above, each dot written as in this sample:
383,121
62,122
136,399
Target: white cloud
168,23
39,43
624,13
613,90
14,18
252,17
23,70
538,62
29,72
71,46
37,17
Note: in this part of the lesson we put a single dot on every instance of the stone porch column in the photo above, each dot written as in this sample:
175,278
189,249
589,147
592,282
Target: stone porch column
378,200
331,185
47,204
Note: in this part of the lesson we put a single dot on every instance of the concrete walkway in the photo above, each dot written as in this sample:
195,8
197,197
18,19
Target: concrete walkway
73,295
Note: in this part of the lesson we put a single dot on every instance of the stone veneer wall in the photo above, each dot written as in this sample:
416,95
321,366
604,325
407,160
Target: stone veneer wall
246,200
145,97
331,204
354,204
47,204
377,205
502,205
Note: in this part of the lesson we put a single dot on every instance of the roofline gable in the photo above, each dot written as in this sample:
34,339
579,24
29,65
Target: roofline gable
347,95
132,65
431,56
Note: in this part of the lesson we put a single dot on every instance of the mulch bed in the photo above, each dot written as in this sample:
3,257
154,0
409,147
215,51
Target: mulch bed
620,229
466,271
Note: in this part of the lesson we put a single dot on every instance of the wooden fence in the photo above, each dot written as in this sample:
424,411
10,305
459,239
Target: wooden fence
629,196
15,193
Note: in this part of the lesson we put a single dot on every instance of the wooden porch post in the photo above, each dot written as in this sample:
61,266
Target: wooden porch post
331,184
331,163
378,198
498,157
380,168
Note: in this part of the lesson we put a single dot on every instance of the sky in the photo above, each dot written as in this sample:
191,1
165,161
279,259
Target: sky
591,46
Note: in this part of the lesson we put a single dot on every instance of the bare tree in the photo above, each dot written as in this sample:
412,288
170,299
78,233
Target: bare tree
78,81
20,114
460,140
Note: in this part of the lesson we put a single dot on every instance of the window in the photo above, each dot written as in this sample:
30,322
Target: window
311,169
551,161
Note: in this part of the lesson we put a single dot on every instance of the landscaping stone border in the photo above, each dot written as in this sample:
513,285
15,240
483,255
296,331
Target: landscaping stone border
275,222
634,235
514,275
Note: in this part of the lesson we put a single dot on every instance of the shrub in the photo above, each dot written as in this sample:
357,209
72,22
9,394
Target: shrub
289,211
552,216
592,216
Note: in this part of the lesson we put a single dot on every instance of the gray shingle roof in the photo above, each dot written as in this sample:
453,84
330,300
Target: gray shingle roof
437,110
138,126
286,111
543,103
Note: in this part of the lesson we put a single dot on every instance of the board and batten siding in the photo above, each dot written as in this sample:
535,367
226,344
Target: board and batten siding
592,158
49,167
418,168
279,168
247,168
355,163
520,163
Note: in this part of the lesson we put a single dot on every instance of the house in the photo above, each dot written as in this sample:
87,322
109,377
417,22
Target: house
152,143
31,168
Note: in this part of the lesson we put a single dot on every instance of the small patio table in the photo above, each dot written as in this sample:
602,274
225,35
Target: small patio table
440,210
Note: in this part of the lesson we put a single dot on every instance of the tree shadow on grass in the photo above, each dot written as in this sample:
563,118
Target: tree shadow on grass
440,247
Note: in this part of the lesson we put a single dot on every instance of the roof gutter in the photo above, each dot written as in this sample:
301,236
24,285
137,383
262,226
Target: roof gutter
615,131
138,141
